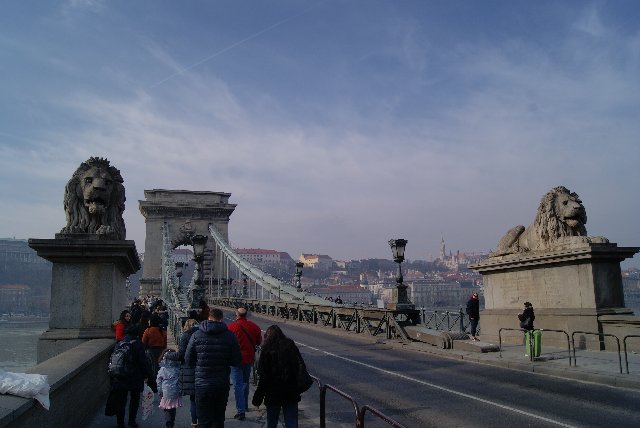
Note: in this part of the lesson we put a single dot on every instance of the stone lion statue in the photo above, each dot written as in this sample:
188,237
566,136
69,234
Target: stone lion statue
561,218
94,200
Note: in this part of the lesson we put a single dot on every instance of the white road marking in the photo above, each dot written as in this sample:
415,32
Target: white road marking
442,388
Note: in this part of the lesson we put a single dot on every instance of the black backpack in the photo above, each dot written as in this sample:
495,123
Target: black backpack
121,363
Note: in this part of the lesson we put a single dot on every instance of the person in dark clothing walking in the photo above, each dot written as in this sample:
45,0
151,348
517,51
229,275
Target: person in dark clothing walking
527,317
212,350
473,310
278,378
130,385
187,371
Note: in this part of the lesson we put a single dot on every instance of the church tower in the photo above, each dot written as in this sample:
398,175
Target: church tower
443,253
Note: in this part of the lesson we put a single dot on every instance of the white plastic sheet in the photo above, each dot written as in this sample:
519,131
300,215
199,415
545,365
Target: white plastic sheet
147,402
26,385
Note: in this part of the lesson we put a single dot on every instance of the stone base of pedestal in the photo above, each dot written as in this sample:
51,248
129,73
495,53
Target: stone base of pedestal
88,288
58,340
570,287
617,321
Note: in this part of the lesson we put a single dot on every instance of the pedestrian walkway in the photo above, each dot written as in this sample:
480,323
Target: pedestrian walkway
603,367
308,411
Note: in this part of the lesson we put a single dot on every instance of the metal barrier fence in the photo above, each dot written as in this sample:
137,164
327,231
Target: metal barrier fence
359,412
531,357
446,320
601,336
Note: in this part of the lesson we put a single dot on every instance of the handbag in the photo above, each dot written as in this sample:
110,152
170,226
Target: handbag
304,379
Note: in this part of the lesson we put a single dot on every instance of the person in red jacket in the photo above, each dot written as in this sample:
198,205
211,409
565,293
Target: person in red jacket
249,338
123,322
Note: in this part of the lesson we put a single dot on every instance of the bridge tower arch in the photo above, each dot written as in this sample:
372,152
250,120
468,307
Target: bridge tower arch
187,213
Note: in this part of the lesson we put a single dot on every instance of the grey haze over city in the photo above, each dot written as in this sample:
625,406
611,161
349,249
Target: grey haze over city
335,125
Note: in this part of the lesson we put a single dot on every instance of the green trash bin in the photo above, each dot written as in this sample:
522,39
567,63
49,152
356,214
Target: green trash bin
533,338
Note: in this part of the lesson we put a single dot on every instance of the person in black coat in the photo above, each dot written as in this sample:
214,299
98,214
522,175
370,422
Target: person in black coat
278,378
131,385
473,310
212,350
187,372
527,317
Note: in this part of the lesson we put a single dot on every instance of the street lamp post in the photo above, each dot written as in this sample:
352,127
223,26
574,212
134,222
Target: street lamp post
400,299
299,266
197,291
179,271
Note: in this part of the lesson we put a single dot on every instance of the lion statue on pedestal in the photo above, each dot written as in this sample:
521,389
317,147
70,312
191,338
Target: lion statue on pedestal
561,218
94,200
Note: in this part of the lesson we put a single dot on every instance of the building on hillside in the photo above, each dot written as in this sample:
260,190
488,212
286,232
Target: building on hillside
15,298
440,293
18,250
458,260
260,256
317,261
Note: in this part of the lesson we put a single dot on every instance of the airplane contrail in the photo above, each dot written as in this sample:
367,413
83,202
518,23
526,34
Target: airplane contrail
233,45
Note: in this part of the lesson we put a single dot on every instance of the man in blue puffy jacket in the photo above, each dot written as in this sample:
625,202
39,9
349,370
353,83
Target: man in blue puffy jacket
212,350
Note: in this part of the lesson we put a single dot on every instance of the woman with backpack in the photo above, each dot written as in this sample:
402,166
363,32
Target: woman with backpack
128,369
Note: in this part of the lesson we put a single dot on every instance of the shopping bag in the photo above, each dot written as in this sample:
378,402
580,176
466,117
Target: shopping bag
147,402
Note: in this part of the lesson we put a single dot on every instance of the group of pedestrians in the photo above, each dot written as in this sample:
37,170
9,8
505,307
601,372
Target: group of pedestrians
210,354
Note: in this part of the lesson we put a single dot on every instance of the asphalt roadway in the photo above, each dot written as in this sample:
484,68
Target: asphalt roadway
595,368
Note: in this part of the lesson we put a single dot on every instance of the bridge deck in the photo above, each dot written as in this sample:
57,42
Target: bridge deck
592,366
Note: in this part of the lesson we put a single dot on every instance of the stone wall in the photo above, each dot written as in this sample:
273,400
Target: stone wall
79,386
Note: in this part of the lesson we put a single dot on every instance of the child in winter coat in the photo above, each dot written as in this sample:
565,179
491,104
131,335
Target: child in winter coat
169,385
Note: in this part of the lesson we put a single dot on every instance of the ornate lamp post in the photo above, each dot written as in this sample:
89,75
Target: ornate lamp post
197,291
299,266
179,271
399,300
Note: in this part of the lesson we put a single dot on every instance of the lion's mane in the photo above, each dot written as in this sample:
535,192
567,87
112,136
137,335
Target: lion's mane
79,219
550,226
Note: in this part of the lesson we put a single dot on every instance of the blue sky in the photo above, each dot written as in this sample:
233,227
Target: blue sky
335,125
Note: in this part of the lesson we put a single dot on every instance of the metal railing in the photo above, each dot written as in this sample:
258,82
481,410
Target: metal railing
373,322
601,336
531,357
445,320
359,412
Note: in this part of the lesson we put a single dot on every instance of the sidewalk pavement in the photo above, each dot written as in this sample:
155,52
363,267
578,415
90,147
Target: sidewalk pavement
602,367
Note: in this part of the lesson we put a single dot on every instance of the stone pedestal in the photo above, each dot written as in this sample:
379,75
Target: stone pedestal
88,289
570,288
